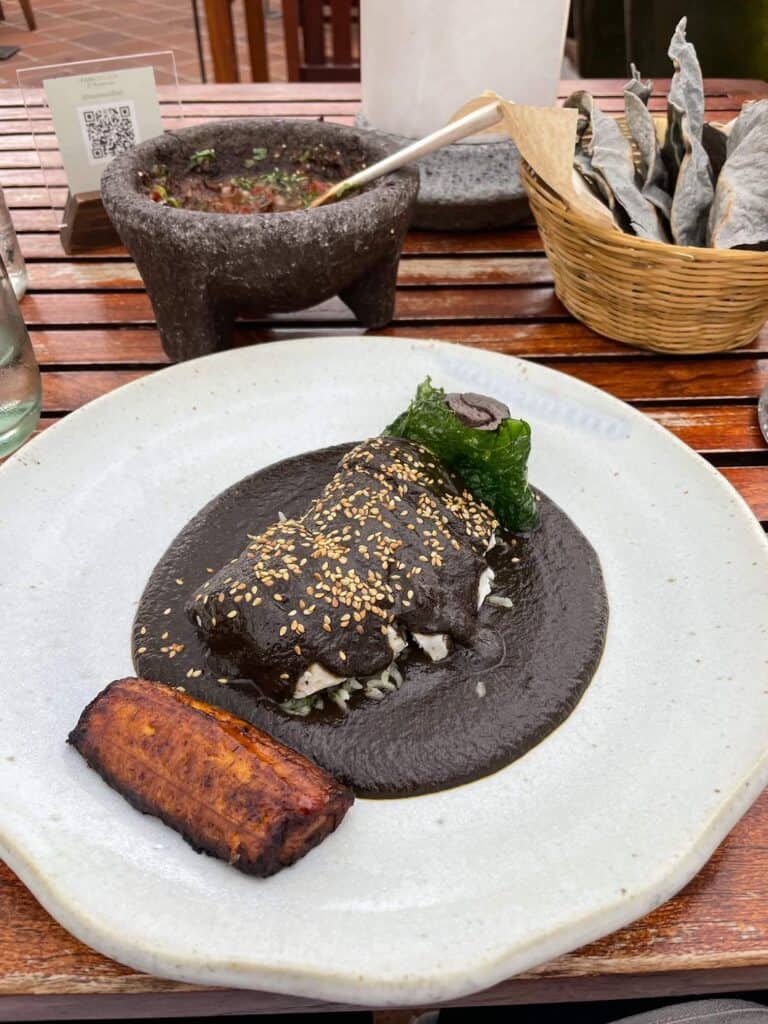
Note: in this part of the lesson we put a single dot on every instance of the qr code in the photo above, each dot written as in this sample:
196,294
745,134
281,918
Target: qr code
108,129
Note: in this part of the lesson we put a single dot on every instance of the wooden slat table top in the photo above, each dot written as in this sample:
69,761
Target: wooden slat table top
92,328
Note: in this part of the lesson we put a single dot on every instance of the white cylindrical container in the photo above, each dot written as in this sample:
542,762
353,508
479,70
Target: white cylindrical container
422,59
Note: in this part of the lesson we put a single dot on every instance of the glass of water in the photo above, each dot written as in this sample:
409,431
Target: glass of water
10,253
20,392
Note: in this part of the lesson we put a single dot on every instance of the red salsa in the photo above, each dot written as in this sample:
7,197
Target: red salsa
203,188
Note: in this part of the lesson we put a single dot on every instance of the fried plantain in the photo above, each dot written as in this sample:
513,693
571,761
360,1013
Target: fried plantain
230,789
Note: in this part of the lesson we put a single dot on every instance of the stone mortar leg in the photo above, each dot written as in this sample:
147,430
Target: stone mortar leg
372,296
192,324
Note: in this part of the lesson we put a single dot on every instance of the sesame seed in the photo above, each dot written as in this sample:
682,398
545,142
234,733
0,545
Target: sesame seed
143,631
167,611
180,582
232,614
142,650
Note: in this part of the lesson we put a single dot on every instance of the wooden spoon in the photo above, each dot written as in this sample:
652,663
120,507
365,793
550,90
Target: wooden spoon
485,117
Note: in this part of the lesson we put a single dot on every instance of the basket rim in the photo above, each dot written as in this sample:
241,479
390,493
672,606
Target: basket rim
613,235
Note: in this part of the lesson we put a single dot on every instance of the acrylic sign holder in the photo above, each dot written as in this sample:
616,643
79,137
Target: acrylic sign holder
134,98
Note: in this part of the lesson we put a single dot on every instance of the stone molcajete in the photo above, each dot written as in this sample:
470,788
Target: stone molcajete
203,269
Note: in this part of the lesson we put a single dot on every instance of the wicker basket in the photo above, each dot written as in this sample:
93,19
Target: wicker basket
670,298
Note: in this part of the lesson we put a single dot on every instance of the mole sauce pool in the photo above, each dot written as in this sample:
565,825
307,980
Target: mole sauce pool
450,722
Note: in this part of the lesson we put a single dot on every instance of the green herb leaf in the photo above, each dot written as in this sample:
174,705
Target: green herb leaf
202,159
243,183
258,153
284,181
492,464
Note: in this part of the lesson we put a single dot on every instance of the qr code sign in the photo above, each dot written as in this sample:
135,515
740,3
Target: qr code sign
108,129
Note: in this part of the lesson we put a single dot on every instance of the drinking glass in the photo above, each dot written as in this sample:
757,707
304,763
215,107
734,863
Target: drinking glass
20,392
10,253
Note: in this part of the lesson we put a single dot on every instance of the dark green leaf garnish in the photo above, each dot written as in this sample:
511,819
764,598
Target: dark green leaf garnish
492,464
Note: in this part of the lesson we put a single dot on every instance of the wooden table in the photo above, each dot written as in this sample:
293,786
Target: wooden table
91,325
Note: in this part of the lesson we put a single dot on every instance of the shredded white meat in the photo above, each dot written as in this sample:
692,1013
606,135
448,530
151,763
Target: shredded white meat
433,644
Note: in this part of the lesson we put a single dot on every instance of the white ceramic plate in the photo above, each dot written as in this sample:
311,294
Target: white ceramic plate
410,900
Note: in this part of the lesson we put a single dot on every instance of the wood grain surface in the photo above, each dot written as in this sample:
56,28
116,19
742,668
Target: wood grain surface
93,330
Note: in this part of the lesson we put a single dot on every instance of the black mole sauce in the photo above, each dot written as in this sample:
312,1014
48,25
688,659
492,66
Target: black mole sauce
496,696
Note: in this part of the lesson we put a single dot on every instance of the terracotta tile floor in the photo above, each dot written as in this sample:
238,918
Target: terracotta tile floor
70,30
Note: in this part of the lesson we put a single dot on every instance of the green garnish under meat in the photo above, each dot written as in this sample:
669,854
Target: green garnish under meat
492,464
